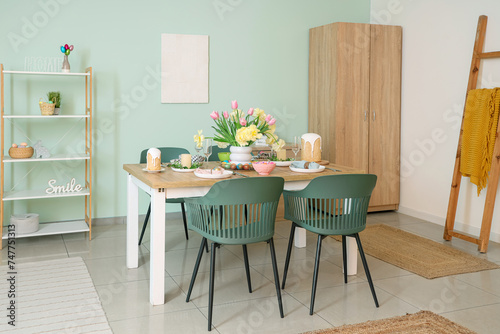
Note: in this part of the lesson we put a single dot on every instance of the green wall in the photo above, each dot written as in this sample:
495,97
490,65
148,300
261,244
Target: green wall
258,55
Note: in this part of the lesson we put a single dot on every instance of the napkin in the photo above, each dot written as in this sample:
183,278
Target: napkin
305,165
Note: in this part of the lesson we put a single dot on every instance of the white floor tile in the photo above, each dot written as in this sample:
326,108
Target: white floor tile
353,303
188,321
124,300
437,295
483,319
263,316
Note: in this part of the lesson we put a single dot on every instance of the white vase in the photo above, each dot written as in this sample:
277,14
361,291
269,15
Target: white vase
240,155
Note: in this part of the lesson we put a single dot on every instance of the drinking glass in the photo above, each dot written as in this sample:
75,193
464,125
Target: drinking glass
198,148
207,148
296,145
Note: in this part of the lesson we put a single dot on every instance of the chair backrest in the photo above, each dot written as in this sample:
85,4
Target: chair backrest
332,204
167,154
215,152
236,211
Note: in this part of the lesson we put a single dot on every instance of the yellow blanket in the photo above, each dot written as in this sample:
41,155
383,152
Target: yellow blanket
478,138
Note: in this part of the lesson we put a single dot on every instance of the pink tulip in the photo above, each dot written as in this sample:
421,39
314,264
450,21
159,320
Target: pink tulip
234,104
226,114
243,121
250,111
271,122
214,115
268,118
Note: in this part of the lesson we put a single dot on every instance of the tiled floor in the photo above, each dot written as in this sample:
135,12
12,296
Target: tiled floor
472,300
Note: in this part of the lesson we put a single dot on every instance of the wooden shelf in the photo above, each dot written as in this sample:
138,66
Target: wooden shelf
39,194
65,227
78,115
46,117
55,157
47,73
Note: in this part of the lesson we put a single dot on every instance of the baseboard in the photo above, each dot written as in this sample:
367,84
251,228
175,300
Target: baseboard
459,226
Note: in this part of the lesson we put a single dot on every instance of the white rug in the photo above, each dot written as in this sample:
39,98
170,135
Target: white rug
55,296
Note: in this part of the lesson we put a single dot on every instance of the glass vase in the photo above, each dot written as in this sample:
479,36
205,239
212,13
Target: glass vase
65,65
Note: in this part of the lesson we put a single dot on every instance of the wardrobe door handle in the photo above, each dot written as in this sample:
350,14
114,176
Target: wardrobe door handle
374,115
366,112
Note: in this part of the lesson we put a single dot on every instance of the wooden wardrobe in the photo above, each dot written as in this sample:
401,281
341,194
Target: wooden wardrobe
355,101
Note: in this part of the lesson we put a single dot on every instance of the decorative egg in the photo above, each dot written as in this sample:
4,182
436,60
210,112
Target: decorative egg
24,144
246,166
14,145
233,166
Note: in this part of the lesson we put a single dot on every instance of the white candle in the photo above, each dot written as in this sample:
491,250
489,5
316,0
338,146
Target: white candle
186,160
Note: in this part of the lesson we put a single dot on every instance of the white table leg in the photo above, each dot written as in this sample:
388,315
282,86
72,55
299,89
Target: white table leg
300,237
132,223
352,256
157,248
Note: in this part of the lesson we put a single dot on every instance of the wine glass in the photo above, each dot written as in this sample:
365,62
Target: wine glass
198,148
296,145
207,148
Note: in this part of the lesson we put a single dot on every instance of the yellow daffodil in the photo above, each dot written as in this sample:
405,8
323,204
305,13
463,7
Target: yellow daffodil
278,146
198,139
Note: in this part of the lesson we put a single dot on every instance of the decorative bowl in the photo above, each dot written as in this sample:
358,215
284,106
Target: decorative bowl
263,167
224,156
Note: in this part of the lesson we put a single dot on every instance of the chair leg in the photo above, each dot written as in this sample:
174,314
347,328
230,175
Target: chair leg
344,256
196,267
365,265
288,253
145,223
184,220
315,276
247,267
211,286
276,276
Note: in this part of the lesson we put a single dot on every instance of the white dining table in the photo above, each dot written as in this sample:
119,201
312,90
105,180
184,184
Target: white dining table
171,184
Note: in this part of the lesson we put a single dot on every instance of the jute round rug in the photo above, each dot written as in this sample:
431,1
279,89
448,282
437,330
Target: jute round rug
419,255
423,322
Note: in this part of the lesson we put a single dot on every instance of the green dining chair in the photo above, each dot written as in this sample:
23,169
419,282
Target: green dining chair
167,154
331,205
235,212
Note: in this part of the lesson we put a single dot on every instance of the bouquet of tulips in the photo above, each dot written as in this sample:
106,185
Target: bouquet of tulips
242,129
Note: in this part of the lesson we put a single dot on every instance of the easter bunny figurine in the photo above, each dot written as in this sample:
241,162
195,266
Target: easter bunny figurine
41,151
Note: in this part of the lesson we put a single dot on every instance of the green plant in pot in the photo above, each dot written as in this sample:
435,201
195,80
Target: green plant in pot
56,98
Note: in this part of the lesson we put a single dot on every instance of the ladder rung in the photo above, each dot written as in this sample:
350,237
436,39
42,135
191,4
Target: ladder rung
485,55
464,237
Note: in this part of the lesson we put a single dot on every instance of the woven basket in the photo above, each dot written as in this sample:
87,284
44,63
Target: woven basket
21,152
47,108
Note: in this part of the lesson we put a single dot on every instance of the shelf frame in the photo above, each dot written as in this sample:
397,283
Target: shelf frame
84,225
45,117
52,228
55,157
48,73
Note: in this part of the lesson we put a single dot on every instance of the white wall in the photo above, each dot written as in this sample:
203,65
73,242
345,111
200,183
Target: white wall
438,37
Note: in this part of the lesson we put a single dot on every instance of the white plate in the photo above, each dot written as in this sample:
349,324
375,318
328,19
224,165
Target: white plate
182,170
283,163
225,174
302,170
153,171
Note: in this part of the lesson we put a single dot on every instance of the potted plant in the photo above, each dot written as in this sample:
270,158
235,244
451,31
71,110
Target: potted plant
56,98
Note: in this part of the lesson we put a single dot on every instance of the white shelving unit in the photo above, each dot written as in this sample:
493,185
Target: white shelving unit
60,227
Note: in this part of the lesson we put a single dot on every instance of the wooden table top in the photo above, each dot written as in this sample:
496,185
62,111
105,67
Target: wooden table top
171,179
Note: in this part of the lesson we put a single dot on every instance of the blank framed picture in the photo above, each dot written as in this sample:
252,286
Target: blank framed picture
184,68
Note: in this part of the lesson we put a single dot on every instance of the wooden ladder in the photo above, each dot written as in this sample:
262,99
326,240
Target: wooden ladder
484,236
